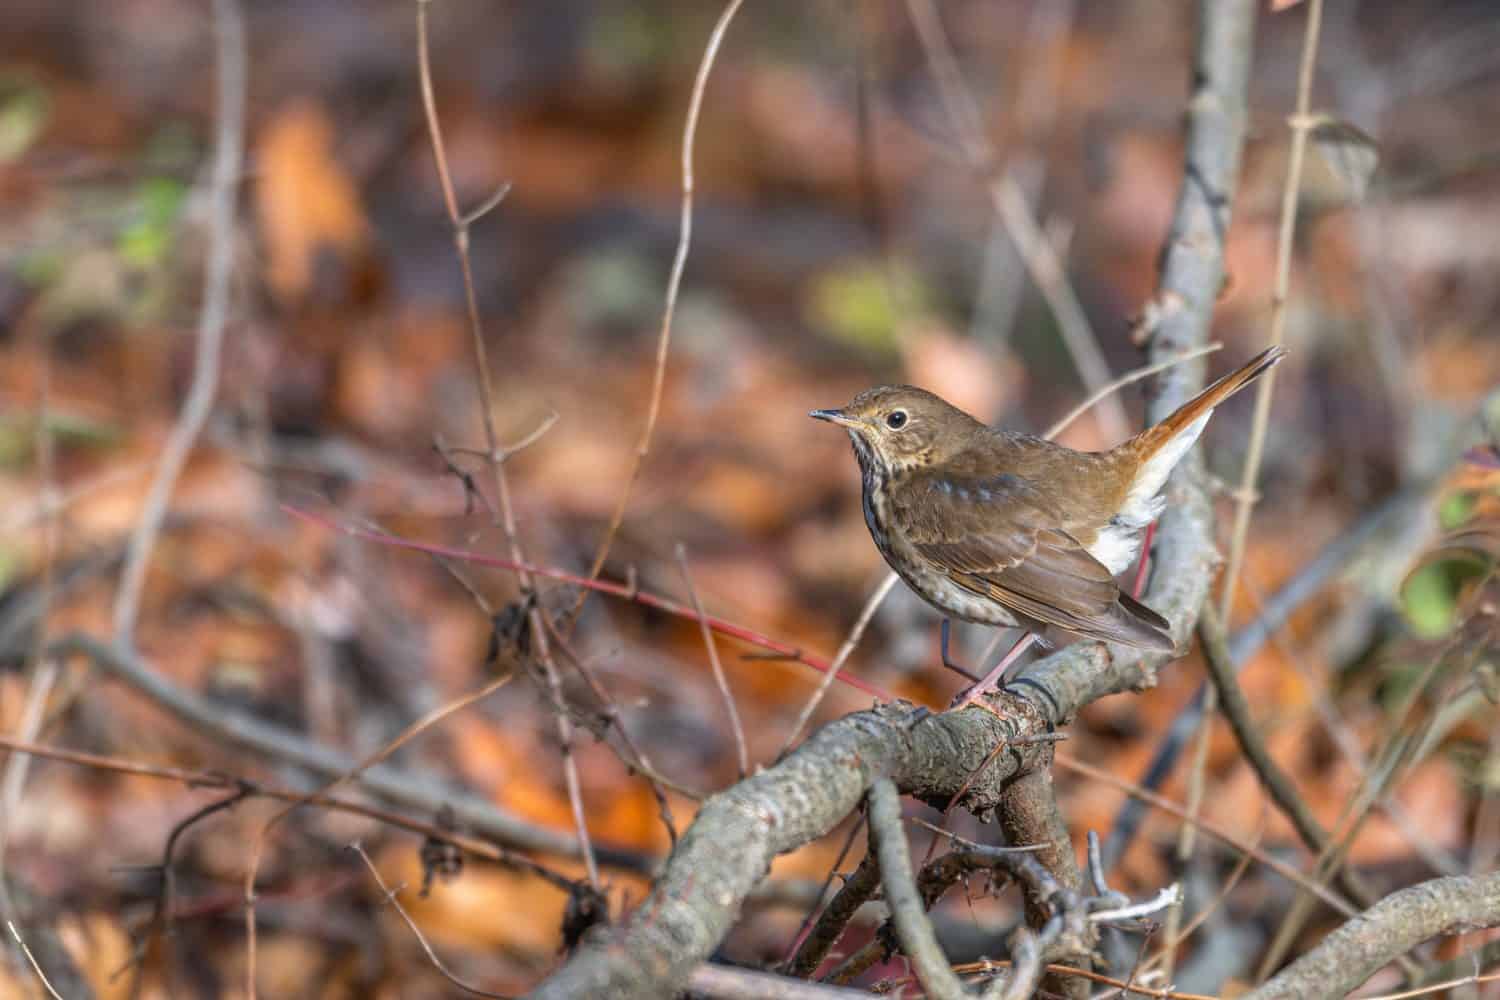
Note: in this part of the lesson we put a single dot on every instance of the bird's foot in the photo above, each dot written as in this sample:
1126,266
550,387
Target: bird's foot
948,662
974,693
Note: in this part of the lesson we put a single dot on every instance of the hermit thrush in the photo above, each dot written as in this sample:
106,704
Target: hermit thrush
1006,529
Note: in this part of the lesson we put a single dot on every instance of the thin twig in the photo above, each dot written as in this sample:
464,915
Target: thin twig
390,897
627,591
461,223
479,848
162,907
257,849
674,284
1037,252
1278,783
810,945
1300,124
1200,918
229,140
846,649
637,760
1450,984
35,967
1128,378
1169,896
718,667
1220,834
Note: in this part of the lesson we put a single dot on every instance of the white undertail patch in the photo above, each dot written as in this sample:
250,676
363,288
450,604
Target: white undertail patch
1119,542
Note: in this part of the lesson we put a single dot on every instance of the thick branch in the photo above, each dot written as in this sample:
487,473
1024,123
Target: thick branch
415,791
1389,929
908,909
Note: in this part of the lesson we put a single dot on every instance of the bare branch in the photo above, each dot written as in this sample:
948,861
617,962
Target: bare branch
1386,931
35,967
674,282
422,792
718,667
257,849
1129,378
1300,124
229,142
628,591
483,849
432,956
908,909
1041,259
846,649
720,982
855,892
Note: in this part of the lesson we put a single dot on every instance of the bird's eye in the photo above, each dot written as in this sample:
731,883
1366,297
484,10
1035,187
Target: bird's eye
896,420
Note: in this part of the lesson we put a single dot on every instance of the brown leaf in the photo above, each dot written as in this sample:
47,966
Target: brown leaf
305,201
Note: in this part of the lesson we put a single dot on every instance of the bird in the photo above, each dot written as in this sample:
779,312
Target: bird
1006,529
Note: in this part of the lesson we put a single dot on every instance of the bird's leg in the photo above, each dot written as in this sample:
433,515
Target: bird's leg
943,646
971,694
1145,557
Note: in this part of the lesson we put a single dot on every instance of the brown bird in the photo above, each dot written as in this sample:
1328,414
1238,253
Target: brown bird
1007,529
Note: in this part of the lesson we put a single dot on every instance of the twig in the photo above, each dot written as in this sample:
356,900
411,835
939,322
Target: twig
43,670
1220,834
257,849
908,912
1274,614
627,591
1436,987
974,845
858,888
674,284
161,909
1276,781
461,223
846,649
637,760
229,139
483,849
1122,381
10,926
1098,977
1010,202
1300,124
390,897
1169,896
718,667
1201,917
721,982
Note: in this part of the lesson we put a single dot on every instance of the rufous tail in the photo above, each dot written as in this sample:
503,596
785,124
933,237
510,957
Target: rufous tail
1155,437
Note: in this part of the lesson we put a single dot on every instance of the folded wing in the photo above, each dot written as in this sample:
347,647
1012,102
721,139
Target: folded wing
1022,563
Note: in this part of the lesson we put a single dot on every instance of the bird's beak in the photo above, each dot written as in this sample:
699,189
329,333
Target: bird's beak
834,417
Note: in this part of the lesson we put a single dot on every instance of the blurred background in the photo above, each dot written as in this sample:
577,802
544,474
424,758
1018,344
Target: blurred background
839,240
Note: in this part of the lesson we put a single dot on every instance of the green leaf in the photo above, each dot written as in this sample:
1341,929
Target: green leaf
855,304
1430,595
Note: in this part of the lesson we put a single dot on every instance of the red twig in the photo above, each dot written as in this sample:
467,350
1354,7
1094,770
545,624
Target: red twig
626,591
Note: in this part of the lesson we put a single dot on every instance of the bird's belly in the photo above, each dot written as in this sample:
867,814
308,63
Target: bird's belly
938,590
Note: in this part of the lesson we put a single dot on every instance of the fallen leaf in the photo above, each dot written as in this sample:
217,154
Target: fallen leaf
306,203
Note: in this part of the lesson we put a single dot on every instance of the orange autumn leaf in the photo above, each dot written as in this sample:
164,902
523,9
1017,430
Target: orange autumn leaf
305,201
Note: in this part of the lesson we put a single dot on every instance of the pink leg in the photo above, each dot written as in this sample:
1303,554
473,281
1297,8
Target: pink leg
1140,567
971,695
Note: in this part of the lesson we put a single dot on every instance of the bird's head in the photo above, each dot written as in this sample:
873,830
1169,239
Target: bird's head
900,427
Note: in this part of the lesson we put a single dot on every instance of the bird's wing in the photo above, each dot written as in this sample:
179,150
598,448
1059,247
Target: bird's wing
997,537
